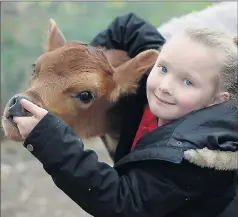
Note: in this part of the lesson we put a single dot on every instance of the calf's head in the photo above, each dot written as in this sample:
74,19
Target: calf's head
79,83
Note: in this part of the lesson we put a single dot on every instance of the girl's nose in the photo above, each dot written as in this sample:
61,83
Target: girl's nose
165,84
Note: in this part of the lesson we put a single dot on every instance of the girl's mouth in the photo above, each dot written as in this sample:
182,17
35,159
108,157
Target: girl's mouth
165,102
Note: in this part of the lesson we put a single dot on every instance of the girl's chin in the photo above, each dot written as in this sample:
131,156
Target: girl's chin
165,114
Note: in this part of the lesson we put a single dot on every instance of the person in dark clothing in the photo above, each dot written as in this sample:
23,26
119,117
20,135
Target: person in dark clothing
177,154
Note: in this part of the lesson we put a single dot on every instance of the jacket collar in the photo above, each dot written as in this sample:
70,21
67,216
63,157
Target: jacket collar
215,137
207,138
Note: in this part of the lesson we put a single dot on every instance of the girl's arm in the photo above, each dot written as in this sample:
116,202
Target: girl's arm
143,191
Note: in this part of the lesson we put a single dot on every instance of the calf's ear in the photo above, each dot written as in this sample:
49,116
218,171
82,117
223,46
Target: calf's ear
127,75
55,37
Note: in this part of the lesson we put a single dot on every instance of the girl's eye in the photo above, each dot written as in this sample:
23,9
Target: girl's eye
188,83
163,69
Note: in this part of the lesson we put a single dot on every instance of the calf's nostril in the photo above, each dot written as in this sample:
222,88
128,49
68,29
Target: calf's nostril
16,109
12,103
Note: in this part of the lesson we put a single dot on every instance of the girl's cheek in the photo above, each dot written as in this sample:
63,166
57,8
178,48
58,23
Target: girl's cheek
188,103
152,82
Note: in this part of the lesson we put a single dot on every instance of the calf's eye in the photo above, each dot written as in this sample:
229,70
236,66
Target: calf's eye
85,96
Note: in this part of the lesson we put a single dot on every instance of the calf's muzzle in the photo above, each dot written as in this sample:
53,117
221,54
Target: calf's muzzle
15,108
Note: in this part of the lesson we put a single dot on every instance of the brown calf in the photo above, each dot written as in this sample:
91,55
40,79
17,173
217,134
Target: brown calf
81,84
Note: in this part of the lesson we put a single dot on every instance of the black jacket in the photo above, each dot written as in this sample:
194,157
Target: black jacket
154,180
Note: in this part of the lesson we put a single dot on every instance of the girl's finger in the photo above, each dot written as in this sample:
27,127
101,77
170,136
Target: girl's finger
32,108
21,120
17,120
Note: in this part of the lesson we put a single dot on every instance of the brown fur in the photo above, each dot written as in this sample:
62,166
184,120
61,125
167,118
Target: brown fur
68,68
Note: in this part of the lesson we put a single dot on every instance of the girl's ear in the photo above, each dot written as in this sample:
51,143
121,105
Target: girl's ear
221,97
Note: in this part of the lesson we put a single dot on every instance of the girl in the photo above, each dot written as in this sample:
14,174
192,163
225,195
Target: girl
186,165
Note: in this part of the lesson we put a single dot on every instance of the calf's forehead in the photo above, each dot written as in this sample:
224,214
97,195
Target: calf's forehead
68,58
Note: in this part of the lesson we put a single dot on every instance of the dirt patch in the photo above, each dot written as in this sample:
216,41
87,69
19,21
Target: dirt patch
28,191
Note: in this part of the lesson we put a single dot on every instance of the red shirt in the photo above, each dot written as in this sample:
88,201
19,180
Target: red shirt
148,123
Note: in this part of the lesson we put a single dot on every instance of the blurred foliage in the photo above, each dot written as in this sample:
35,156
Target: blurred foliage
24,29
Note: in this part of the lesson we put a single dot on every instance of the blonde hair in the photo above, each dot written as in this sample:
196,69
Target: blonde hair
227,47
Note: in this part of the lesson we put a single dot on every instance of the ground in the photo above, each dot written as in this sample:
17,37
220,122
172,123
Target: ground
28,191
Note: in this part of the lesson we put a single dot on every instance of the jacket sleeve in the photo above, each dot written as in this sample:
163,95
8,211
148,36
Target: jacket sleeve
95,186
131,34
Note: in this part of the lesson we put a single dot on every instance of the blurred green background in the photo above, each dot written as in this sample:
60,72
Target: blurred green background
26,190
24,28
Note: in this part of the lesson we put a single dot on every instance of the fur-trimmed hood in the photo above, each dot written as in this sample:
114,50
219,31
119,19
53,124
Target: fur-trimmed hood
212,137
207,138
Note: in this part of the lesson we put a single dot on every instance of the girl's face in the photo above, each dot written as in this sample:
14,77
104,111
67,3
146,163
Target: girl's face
184,78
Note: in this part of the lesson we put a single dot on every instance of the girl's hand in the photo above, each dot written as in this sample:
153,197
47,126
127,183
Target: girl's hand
26,124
